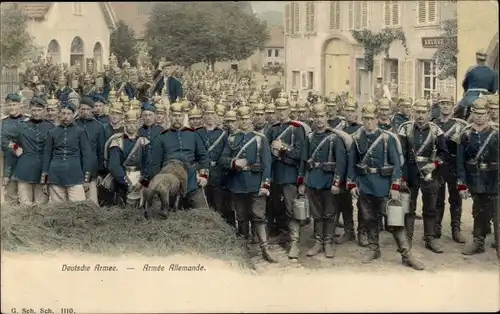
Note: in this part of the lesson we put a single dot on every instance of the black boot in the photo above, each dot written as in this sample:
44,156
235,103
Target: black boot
410,227
243,229
431,243
373,246
261,232
318,238
457,236
362,235
479,235
294,227
407,257
255,236
329,244
456,217
437,230
348,235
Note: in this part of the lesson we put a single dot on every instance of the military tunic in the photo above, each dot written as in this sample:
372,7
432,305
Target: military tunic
9,124
131,91
62,94
174,88
104,119
397,120
95,133
153,151
337,123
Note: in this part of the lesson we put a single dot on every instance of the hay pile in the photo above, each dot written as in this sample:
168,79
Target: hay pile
87,228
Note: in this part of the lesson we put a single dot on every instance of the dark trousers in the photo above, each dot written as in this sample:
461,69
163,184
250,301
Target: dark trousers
322,204
484,207
284,193
344,201
372,210
429,191
115,197
448,178
195,199
250,207
276,213
220,200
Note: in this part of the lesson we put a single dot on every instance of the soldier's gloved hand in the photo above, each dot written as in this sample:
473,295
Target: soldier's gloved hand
428,168
404,185
335,189
264,191
394,194
19,151
302,189
202,181
355,192
276,144
464,194
240,163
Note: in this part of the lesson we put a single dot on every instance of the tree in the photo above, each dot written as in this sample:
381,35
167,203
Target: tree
191,32
445,56
16,44
376,43
124,44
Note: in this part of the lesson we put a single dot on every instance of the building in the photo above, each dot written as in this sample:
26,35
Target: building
274,49
71,32
322,55
477,29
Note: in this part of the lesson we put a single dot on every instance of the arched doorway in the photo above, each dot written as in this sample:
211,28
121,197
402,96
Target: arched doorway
77,52
98,57
54,51
493,53
336,66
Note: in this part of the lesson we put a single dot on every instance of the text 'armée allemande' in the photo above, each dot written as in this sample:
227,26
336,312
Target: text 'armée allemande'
146,267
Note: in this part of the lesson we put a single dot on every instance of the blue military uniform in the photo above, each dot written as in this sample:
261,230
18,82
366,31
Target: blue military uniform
103,118
67,160
477,173
397,120
324,164
286,162
375,169
131,91
154,150
30,135
424,151
247,183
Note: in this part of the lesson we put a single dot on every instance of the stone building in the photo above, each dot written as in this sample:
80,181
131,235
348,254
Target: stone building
273,52
322,55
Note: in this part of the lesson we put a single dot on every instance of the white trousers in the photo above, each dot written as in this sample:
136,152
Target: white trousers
61,194
30,193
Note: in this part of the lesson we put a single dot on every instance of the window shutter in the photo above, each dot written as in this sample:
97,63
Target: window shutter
308,17
377,69
432,11
364,14
312,17
351,15
296,21
422,12
287,18
402,83
387,13
410,77
395,12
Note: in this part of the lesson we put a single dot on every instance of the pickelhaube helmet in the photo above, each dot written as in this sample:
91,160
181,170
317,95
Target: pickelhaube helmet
87,77
492,101
259,108
421,104
244,112
301,106
52,102
404,101
384,104
112,58
351,104
62,77
282,102
253,99
445,99
231,115
160,107
319,108
132,115
135,104
209,107
220,110
369,111
270,108
480,106
177,107
116,107
126,64
282,94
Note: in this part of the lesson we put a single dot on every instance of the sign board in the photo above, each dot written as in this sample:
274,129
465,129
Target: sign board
435,42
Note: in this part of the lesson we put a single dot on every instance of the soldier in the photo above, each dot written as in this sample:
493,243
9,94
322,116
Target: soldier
67,159
404,106
451,128
130,89
27,141
425,150
10,122
335,121
52,111
287,140
384,114
125,157
493,108
271,114
478,79
186,145
97,139
99,113
259,118
63,91
214,139
477,174
344,198
324,165
115,124
374,174
302,112
174,85
247,156
435,107
195,116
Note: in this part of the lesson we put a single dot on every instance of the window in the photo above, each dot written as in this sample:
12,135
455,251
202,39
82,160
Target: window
295,79
310,17
310,80
428,78
427,12
391,70
292,18
304,80
391,13
269,52
334,14
358,14
77,8
276,53
270,63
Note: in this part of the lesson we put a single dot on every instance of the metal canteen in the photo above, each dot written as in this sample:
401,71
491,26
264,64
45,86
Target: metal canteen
301,208
395,213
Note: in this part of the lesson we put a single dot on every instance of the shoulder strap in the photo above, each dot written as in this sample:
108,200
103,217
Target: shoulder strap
483,147
253,139
372,147
217,141
323,141
108,143
399,147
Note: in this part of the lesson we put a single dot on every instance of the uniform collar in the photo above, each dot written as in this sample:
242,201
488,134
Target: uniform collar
424,127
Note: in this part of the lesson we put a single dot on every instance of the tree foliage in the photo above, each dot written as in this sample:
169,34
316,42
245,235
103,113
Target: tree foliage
191,32
16,44
445,56
376,43
124,44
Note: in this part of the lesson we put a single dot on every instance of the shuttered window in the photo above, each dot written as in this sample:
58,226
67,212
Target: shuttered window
288,18
357,14
407,78
296,17
292,18
427,12
310,17
392,13
334,14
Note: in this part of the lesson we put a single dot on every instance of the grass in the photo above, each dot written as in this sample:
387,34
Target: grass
84,227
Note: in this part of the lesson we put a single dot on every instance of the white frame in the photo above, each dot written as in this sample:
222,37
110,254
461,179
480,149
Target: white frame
436,21
391,14
432,75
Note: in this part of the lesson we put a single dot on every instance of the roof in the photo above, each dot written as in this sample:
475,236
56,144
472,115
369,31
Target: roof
276,37
132,14
38,10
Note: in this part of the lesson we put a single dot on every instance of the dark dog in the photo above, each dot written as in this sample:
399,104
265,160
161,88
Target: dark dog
171,181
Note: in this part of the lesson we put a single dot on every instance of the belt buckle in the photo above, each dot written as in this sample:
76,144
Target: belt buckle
421,159
483,166
372,170
213,163
317,165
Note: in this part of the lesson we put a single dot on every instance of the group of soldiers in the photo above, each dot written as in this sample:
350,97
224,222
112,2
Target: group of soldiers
250,156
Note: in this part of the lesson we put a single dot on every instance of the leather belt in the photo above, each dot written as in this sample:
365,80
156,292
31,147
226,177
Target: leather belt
314,165
372,170
213,163
132,169
421,159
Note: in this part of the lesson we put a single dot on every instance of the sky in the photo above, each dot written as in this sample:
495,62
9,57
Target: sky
262,6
